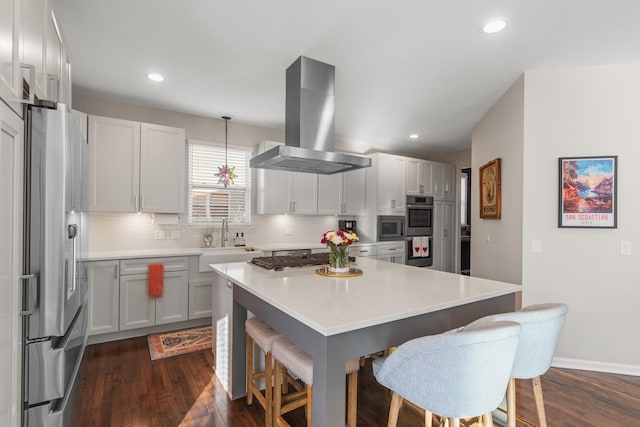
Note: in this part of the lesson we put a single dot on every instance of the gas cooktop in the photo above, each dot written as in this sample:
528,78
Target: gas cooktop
278,263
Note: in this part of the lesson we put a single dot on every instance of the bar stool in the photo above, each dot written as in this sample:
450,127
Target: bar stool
541,326
455,375
288,355
263,336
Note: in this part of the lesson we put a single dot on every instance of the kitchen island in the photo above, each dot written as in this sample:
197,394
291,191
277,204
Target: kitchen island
336,319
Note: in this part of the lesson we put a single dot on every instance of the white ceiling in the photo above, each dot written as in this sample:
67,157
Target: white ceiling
411,66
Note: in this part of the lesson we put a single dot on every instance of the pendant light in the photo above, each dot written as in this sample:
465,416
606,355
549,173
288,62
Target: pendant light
225,174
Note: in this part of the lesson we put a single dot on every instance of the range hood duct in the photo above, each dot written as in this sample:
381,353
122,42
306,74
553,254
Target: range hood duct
309,125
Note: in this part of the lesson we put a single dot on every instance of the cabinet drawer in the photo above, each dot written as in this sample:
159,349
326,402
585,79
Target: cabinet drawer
140,265
369,250
391,248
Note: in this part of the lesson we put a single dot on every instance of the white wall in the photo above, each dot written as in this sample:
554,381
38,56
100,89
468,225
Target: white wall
496,245
564,113
584,112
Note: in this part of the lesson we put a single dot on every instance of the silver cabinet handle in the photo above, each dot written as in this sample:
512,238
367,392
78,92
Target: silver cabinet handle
229,284
392,249
363,252
115,271
135,203
142,203
294,206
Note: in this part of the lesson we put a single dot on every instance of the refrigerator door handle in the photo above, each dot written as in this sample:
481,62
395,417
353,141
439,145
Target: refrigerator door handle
73,233
27,278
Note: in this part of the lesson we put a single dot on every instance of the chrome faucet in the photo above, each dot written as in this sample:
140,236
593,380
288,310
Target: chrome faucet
224,232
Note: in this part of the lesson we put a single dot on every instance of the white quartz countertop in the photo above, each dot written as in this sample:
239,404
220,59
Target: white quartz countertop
384,293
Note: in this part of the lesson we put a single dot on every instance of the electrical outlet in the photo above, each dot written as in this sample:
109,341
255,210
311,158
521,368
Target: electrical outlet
536,246
625,248
159,235
176,234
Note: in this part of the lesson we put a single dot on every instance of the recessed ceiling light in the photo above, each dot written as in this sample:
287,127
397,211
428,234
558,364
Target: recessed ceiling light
495,25
155,77
414,136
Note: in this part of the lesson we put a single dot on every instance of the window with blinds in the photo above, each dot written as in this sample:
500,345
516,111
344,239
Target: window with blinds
209,201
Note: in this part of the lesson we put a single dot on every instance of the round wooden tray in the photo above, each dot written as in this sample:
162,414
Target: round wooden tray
324,271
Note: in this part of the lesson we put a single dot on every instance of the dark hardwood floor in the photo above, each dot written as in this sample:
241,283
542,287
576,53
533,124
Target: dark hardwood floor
120,385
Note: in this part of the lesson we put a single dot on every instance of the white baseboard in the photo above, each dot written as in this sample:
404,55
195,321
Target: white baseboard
591,365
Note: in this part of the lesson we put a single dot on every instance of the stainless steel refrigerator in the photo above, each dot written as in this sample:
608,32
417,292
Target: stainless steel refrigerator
55,287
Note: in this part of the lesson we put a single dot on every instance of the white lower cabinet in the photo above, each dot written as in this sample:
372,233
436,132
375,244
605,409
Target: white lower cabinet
391,252
137,310
104,296
200,290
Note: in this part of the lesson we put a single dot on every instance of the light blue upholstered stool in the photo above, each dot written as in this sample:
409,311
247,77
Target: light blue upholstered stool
541,326
298,362
454,375
263,336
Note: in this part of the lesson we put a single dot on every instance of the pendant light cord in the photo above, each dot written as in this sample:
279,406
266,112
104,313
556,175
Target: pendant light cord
226,138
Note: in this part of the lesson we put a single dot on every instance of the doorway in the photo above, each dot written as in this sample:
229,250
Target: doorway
465,221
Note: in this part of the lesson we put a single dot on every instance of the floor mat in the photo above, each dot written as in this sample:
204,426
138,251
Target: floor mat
173,343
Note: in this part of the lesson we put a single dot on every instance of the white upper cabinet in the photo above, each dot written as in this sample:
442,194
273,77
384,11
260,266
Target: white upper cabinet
391,174
136,167
282,192
419,177
53,58
444,187
342,193
162,169
10,87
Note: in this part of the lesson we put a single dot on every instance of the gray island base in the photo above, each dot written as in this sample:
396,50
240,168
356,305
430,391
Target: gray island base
339,319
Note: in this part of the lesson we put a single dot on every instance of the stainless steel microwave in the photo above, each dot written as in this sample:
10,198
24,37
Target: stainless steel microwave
390,227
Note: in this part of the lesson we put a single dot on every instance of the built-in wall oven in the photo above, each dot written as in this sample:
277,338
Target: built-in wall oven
419,231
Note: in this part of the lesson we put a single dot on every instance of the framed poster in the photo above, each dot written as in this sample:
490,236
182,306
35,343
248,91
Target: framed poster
588,192
490,190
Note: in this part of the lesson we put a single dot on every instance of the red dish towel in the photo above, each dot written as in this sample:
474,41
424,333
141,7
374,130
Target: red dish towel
156,280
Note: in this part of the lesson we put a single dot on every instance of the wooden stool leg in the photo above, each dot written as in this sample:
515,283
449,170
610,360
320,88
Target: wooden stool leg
511,403
488,420
428,419
537,392
277,388
352,399
249,369
309,407
268,389
394,409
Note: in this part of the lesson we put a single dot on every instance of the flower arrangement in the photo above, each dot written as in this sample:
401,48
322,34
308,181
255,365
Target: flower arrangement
338,243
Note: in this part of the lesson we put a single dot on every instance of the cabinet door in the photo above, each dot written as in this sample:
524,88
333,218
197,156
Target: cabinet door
425,173
304,193
173,306
273,191
114,181
413,177
354,192
12,194
391,184
443,182
162,169
104,296
53,55
32,23
200,298
137,310
330,194
10,82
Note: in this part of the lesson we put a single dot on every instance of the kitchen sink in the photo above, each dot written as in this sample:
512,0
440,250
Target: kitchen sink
224,255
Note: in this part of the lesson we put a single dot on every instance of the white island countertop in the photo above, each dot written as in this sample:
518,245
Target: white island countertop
384,293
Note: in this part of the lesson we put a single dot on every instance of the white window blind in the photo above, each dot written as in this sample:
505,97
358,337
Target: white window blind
209,201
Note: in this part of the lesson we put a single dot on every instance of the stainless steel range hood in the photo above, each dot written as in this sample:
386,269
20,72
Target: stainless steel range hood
309,124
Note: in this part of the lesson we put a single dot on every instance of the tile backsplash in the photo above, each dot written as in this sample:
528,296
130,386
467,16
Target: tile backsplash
131,231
